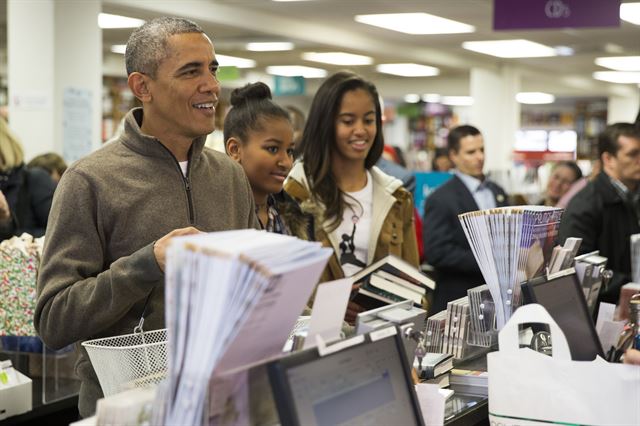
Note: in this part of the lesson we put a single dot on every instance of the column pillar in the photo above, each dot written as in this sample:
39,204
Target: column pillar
55,75
623,108
496,113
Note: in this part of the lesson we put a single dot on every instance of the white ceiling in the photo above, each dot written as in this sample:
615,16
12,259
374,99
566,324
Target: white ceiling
328,25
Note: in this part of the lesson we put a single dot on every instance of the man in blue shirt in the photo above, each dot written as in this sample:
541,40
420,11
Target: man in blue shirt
445,246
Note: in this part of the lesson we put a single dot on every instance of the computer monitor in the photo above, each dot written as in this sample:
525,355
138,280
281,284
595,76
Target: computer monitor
367,383
562,296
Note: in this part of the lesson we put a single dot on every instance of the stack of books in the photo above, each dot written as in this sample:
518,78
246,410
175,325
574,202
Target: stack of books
472,382
434,368
390,280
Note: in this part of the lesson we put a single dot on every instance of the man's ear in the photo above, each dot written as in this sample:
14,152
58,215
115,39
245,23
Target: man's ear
139,85
234,147
607,159
453,155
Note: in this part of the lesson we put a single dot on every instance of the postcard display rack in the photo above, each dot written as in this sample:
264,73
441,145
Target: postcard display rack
466,329
511,245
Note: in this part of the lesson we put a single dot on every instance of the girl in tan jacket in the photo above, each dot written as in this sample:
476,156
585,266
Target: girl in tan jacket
358,210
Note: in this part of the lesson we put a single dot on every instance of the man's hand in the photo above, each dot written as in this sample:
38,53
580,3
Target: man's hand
632,356
160,247
5,211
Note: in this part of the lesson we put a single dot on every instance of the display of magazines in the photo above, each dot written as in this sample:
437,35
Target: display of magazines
511,245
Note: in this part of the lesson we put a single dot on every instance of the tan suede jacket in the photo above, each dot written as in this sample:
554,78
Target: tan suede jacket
392,227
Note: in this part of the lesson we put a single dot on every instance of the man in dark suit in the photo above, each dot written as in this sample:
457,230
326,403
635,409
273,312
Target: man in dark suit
607,211
445,245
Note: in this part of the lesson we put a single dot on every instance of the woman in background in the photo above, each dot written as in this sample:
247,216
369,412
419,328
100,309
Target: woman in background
25,193
563,176
358,210
52,163
258,135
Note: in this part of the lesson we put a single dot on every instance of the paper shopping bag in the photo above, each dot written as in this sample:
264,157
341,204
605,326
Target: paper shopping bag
19,260
527,387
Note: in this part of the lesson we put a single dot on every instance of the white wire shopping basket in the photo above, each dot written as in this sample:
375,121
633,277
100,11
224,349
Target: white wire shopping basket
131,360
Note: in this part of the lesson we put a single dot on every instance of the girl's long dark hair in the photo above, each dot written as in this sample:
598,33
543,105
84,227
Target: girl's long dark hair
319,138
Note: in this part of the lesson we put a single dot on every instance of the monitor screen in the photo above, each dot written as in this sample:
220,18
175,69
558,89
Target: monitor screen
368,383
563,298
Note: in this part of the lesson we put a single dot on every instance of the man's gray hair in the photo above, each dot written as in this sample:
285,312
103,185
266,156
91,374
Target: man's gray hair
148,44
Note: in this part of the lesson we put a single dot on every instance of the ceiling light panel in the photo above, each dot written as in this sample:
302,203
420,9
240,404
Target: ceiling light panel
630,12
408,70
412,98
535,98
337,58
432,98
296,71
107,20
623,77
457,100
415,23
510,48
278,46
620,63
234,61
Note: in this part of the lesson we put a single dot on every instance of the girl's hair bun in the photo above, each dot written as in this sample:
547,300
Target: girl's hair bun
251,92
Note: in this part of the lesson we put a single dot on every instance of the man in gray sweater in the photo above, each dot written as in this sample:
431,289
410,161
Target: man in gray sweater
115,211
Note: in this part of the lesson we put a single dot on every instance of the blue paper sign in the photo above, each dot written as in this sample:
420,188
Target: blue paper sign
426,183
288,86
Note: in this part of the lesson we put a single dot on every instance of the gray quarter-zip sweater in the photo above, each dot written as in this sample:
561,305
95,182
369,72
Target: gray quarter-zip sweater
98,265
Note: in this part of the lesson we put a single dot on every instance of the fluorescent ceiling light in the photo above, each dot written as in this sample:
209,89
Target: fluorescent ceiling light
564,50
432,98
296,71
510,48
457,100
415,23
412,98
623,77
337,58
283,1
408,70
119,48
106,20
535,98
278,46
233,61
630,12
620,63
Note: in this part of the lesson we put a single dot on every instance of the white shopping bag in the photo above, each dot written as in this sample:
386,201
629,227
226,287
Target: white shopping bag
526,387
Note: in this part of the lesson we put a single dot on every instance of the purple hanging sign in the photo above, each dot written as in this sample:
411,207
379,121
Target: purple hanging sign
532,14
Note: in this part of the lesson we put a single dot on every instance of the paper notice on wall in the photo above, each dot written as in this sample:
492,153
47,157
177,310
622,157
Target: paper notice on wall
77,112
31,100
